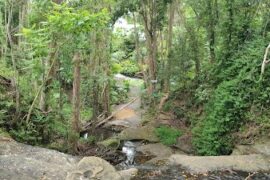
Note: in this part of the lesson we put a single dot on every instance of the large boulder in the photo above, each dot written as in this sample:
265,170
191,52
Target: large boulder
24,162
91,168
141,133
19,161
203,164
94,168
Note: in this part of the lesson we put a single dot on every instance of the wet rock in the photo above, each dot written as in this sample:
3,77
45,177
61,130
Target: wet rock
199,164
141,133
94,168
129,173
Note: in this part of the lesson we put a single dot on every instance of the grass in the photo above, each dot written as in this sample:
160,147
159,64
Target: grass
167,135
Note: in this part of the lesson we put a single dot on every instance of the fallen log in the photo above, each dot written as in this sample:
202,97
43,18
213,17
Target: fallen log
115,112
111,116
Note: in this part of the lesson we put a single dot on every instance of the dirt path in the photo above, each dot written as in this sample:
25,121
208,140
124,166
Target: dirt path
130,116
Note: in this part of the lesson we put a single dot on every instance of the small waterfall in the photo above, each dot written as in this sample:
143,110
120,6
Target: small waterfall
130,150
85,136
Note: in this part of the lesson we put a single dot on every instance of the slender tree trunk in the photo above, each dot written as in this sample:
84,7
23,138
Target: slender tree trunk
139,57
42,99
106,57
76,92
169,47
76,100
50,61
229,30
149,14
22,19
137,41
211,29
15,78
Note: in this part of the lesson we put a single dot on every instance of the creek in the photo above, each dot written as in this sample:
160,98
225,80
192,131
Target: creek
160,170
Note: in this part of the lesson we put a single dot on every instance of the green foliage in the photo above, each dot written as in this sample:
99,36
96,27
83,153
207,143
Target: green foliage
227,108
90,140
41,130
77,20
129,68
167,135
224,114
119,93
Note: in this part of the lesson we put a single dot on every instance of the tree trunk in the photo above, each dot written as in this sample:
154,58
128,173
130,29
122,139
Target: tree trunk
15,79
229,31
139,57
76,100
169,48
149,14
211,29
50,61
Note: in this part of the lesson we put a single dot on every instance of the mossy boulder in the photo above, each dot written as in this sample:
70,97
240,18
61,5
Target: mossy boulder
111,143
142,133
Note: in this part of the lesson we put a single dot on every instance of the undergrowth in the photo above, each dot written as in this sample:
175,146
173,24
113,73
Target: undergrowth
167,135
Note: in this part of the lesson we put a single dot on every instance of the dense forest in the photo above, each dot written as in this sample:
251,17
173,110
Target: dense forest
203,61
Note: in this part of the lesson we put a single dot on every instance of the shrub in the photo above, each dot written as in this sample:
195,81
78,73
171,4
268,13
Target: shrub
129,68
167,135
224,114
227,109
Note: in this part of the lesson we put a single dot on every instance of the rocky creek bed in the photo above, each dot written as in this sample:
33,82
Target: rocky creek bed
152,160
24,162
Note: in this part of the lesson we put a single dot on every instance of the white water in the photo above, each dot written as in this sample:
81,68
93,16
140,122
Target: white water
130,150
85,136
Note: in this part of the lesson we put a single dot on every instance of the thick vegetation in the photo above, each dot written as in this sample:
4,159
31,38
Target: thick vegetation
201,60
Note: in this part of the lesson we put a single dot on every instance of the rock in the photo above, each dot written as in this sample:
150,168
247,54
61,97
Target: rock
243,150
94,168
128,174
141,133
184,143
158,150
19,161
24,162
203,164
263,148
258,148
111,143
